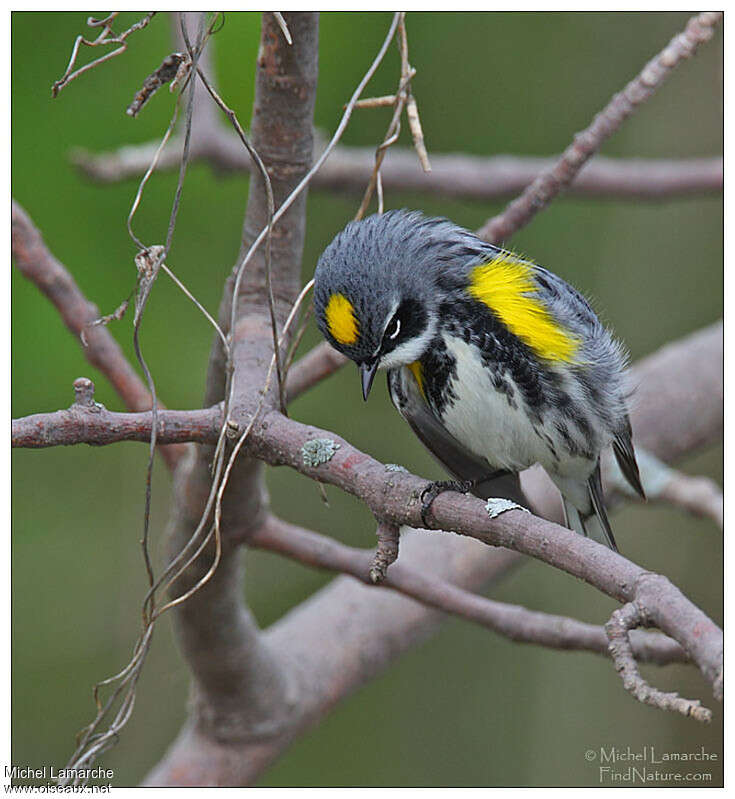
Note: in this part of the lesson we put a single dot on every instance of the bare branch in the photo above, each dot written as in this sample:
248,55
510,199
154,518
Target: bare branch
622,621
38,264
386,551
95,425
469,176
549,184
353,471
106,36
515,622
385,101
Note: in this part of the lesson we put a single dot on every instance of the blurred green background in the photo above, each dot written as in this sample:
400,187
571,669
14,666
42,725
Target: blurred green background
468,707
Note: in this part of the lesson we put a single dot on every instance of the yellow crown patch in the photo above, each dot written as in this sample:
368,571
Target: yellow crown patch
504,286
341,319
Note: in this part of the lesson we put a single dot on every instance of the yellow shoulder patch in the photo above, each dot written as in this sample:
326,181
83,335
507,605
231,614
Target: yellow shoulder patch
417,370
341,319
504,285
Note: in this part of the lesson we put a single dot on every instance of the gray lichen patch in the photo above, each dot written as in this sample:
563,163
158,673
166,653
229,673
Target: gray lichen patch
497,505
394,467
318,451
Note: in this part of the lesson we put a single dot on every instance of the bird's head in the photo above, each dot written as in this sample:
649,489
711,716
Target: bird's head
374,292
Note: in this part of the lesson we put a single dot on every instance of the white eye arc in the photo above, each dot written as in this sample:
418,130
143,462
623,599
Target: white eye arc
397,323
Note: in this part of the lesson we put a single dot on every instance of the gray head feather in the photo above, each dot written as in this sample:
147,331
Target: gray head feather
381,261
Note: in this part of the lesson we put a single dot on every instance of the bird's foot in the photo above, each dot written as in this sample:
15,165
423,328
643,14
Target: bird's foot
432,491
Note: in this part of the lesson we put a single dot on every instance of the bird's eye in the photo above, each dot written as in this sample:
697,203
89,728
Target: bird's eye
394,328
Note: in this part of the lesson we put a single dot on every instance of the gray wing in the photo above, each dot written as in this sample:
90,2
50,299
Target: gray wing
625,456
451,454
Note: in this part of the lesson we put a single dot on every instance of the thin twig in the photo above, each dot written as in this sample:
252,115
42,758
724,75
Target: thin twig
102,39
394,127
414,123
385,101
386,552
412,109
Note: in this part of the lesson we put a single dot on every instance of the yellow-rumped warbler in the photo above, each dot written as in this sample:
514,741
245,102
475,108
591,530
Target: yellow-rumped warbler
495,362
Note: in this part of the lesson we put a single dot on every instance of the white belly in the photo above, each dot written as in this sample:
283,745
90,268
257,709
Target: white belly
487,424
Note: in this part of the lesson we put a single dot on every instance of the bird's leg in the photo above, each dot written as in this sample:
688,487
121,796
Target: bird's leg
432,491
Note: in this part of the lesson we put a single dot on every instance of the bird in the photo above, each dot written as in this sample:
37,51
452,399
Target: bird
495,362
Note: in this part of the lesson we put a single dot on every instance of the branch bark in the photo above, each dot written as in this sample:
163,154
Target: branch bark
397,501
38,264
618,630
452,174
241,690
512,621
95,425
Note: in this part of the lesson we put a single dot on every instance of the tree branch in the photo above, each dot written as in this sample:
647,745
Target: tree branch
241,689
551,182
512,621
618,631
95,425
37,263
452,175
397,501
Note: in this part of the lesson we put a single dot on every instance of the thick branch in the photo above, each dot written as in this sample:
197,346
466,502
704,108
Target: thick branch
241,691
96,425
397,500
513,621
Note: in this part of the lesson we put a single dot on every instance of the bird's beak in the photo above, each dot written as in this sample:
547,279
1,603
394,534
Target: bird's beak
367,375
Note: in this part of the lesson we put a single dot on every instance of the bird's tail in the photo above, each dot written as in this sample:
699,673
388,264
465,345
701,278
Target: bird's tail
595,524
588,526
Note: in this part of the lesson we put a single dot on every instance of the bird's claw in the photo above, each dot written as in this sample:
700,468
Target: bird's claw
433,489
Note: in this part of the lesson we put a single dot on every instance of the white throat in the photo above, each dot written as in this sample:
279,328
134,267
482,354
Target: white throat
411,350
